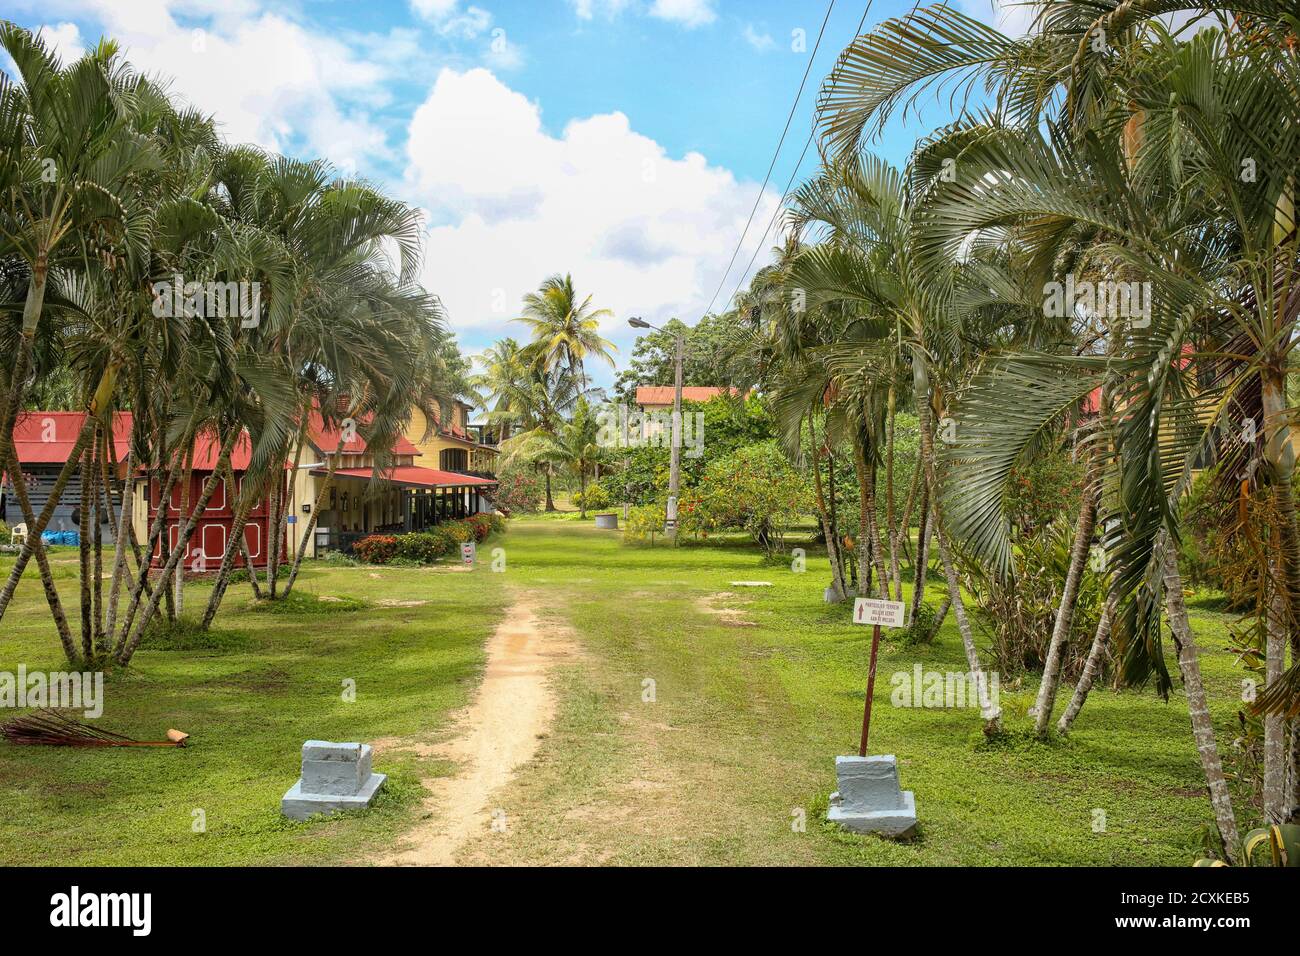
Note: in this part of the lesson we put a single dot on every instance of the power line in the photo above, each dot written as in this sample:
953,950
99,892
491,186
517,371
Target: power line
772,165
793,173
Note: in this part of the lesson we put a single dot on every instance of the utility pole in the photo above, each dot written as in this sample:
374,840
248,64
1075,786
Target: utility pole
675,459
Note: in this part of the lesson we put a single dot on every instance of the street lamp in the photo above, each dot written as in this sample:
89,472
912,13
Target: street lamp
675,459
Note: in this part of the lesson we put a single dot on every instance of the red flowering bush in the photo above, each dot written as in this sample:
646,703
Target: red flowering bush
376,549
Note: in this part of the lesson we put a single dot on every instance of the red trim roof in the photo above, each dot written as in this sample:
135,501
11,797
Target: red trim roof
47,438
415,476
326,438
665,394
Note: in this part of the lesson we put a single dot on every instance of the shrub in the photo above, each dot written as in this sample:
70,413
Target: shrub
376,549
423,547
518,492
596,499
644,522
755,490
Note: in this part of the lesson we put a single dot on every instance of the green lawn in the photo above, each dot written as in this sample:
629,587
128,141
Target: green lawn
272,681
750,707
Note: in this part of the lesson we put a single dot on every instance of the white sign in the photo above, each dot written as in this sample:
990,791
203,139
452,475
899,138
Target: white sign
884,613
467,552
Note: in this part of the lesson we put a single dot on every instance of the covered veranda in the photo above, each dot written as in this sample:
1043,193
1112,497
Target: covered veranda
408,499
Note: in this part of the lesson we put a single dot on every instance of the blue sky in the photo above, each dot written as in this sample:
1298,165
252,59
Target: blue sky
621,140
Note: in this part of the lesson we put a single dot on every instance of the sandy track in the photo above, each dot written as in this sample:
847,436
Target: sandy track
499,731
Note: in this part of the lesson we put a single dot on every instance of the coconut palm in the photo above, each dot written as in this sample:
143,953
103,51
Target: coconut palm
565,331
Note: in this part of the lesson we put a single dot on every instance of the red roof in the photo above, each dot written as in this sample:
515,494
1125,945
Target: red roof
415,476
46,438
326,438
664,394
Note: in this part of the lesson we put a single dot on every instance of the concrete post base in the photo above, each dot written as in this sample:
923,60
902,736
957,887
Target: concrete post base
334,777
869,799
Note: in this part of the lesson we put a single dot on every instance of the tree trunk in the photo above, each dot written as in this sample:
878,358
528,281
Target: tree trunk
1281,458
236,544
177,606
582,492
38,525
157,534
314,517
991,714
832,546
921,569
864,503
120,535
182,542
550,502
1202,726
1091,669
38,549
891,524
873,529
83,551
1069,597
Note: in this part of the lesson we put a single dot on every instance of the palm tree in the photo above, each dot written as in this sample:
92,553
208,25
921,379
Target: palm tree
565,332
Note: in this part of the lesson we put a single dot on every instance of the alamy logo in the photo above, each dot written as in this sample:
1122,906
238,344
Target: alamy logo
74,908
621,428
951,689
209,300
1106,300
82,690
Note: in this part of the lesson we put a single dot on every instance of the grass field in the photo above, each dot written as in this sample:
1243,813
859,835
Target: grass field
755,690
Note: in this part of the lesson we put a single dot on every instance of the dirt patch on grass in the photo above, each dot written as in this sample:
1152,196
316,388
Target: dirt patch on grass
727,616
497,733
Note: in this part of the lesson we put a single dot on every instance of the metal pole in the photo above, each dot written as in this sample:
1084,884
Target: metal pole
871,689
674,471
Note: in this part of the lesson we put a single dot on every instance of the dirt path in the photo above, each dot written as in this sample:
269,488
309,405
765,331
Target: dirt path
495,734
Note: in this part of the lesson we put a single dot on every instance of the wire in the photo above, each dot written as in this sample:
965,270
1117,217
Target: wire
772,165
790,182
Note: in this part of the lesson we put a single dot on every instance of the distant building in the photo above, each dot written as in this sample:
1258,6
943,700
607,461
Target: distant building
652,398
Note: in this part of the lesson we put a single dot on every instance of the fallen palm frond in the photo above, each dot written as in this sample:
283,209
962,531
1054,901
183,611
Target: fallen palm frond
50,728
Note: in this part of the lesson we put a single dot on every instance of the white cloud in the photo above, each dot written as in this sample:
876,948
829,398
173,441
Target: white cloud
689,13
65,40
450,19
1012,17
587,9
647,234
762,42
267,79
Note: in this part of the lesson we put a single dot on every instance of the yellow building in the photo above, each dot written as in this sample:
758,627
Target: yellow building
457,446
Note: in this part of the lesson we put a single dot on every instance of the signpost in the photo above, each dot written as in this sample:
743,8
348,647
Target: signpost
878,614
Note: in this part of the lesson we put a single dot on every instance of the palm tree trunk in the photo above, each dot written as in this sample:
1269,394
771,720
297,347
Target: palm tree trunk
157,536
1281,458
873,529
891,524
83,551
921,569
236,543
550,502
12,467
314,517
991,713
832,546
864,504
582,492
120,535
1198,706
1091,669
182,543
1069,597
177,606
37,526
97,539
